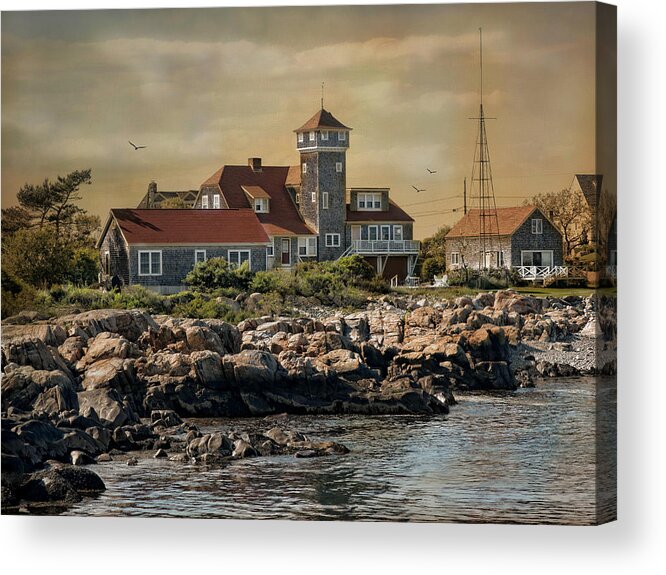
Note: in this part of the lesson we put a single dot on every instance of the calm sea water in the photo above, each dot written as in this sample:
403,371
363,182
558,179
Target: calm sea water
523,457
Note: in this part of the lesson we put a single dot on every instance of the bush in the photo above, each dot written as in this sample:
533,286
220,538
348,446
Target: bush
216,273
88,298
432,266
277,281
140,297
84,267
492,278
203,306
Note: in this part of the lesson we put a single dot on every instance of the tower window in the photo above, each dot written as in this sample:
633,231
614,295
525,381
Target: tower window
314,196
338,167
332,240
305,168
324,134
342,136
324,200
300,137
312,136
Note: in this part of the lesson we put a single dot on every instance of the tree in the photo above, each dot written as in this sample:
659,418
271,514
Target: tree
569,212
433,254
175,203
15,218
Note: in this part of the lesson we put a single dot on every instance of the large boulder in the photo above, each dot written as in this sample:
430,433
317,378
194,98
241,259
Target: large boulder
346,363
252,369
209,446
487,343
106,346
109,406
29,389
35,353
53,335
111,373
131,324
511,301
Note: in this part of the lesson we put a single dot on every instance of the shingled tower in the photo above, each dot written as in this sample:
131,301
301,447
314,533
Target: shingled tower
323,142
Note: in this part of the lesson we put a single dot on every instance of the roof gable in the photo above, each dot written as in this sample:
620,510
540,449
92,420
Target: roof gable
508,220
322,119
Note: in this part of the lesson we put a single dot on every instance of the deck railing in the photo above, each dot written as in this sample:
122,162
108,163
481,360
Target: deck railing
539,273
385,246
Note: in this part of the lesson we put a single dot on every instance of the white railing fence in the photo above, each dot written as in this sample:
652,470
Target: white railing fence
542,272
385,246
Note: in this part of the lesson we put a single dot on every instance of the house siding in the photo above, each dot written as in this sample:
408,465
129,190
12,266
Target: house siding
209,192
469,249
524,239
114,243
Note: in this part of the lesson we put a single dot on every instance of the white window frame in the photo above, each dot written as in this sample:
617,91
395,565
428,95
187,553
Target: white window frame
369,202
313,136
324,200
537,226
307,246
342,135
270,249
400,231
324,135
239,252
338,167
332,240
204,202
196,254
455,258
374,227
216,201
304,169
261,205
385,228
300,137
522,258
151,254
314,196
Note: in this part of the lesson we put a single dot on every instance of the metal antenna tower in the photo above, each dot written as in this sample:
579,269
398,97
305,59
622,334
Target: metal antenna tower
482,180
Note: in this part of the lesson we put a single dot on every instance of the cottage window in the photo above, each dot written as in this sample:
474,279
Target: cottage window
369,201
397,233
199,256
238,257
324,200
537,226
338,167
305,168
342,136
300,137
312,136
314,196
324,135
536,258
216,201
107,263
455,258
150,263
332,240
385,232
261,205
270,251
307,246
204,202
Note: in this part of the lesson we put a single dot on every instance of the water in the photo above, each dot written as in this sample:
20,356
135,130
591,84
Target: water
523,457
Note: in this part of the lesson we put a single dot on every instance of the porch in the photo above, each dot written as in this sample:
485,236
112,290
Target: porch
548,275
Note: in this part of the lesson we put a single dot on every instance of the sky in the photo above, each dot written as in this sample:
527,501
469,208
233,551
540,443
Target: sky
202,88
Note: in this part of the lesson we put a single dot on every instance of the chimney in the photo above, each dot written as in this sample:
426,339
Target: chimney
255,164
152,190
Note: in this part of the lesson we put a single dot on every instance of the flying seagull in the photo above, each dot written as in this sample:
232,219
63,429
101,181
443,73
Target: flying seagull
431,171
418,189
135,146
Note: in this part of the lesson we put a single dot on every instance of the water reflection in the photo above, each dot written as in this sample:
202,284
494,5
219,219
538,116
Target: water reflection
521,457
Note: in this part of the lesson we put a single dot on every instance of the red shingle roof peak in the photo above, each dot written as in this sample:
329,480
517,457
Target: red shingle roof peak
508,220
322,119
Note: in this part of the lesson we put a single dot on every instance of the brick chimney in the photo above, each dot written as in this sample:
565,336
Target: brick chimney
255,164
152,191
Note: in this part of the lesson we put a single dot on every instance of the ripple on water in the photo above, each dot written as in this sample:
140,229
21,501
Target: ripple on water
524,457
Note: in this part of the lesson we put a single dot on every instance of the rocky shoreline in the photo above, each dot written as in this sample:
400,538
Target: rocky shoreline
104,384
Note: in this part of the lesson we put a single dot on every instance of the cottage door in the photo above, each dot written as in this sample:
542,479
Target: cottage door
286,251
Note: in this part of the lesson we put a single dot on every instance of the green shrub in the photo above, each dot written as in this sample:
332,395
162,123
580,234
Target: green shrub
203,306
88,298
277,281
216,273
143,298
432,266
84,267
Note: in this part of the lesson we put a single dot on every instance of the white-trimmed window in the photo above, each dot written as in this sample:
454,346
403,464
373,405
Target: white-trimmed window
338,167
369,201
385,232
298,199
455,258
397,232
270,250
204,202
313,136
342,136
261,205
537,226
199,256
324,200
536,258
305,168
314,196
332,240
324,135
150,263
300,137
307,246
216,201
238,257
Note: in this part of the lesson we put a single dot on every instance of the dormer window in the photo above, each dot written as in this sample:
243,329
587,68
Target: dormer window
312,136
342,136
324,134
216,201
369,201
261,205
300,137
204,202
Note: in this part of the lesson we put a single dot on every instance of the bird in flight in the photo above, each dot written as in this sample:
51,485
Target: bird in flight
135,146
431,171
417,189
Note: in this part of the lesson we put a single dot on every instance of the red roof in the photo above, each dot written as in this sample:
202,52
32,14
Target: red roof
283,218
322,119
188,226
394,214
508,219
